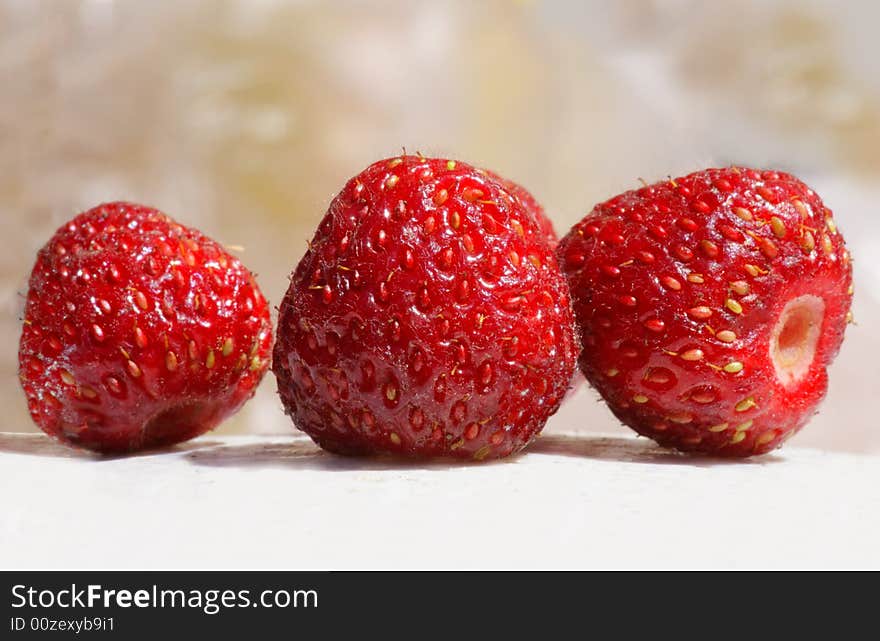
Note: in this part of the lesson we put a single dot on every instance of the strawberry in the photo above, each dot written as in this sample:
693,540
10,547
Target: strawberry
531,205
428,317
710,307
138,332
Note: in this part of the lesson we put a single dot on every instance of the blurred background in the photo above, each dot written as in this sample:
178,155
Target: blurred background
244,117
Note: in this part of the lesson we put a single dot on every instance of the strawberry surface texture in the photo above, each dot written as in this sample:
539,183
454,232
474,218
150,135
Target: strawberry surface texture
138,332
710,307
428,318
531,205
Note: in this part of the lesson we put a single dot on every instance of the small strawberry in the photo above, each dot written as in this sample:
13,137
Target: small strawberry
138,332
710,307
428,317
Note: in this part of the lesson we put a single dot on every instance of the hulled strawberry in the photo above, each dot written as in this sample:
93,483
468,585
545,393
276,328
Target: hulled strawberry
428,317
710,307
138,332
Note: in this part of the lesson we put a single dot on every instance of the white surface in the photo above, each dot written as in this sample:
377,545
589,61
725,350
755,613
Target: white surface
571,502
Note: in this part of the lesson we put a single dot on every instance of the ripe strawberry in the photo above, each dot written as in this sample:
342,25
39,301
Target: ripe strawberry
710,307
531,205
138,332
427,318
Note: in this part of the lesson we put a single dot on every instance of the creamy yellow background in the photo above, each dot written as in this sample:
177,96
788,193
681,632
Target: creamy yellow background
245,117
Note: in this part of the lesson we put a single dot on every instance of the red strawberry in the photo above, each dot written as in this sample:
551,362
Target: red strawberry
531,205
138,332
428,318
710,307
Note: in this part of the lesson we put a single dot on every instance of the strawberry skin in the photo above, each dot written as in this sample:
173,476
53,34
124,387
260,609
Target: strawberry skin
138,332
531,205
710,307
428,318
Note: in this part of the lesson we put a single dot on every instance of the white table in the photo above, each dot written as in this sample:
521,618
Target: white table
571,502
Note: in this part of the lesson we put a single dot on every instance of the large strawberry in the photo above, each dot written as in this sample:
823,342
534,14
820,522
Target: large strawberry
138,332
428,317
711,306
